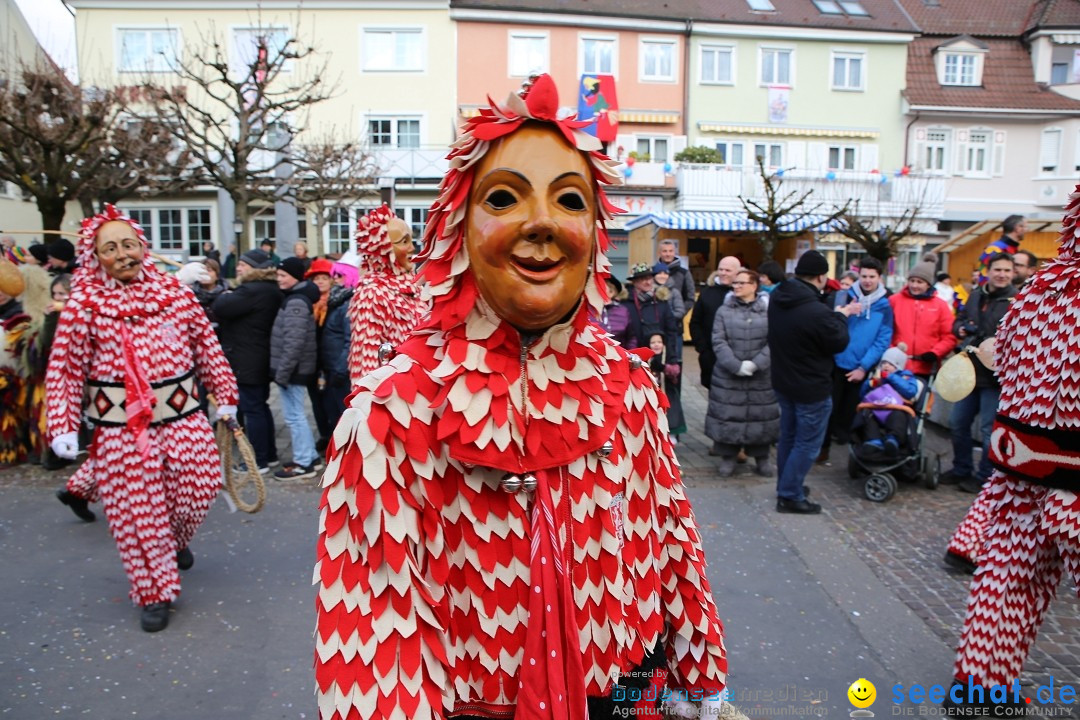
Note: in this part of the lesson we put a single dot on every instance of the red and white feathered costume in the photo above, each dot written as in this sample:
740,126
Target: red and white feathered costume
386,304
446,586
1031,506
134,349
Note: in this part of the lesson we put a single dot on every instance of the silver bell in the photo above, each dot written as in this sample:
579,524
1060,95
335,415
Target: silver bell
606,449
511,483
528,484
386,351
635,362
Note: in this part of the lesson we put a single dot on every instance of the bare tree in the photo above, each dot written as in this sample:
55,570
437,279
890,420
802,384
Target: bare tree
238,119
331,175
782,213
879,236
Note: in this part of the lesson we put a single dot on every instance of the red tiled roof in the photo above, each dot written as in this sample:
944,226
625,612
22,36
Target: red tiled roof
1008,80
884,15
1056,13
986,18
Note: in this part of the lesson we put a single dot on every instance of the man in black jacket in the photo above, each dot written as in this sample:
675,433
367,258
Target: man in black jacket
979,320
704,315
804,335
246,317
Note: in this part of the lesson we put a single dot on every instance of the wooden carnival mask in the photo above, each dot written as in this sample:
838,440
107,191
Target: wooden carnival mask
531,227
119,250
402,242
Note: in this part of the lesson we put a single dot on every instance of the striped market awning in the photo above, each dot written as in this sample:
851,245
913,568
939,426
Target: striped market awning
726,222
654,117
788,130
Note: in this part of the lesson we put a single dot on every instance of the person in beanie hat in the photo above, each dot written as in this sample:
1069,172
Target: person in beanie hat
61,255
294,266
888,397
804,336
39,253
922,320
133,340
256,259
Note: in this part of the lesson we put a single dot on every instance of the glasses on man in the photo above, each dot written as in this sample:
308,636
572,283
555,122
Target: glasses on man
741,282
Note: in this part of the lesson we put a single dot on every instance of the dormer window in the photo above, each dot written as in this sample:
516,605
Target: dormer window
960,62
840,7
761,5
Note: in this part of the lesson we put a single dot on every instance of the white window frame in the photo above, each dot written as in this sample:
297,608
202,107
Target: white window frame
945,148
151,67
842,153
421,62
729,151
762,6
971,148
153,228
769,147
651,140
1054,167
545,39
394,119
847,56
961,55
235,65
716,47
417,218
594,37
775,80
643,43
1076,151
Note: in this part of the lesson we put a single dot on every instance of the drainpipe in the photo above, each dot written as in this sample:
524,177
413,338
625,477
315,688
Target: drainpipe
907,137
686,79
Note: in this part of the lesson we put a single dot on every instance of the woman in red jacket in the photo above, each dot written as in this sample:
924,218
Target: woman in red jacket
922,320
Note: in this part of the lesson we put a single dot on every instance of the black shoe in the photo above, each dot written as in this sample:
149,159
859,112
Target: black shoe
78,505
951,478
959,563
320,445
799,507
49,461
185,558
971,485
155,616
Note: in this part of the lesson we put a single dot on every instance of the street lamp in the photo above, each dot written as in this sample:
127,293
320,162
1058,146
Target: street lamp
238,229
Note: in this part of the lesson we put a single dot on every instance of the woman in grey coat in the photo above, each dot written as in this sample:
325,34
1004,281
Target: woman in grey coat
742,406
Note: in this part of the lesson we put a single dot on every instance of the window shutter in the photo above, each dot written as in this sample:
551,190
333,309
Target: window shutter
868,157
678,144
960,167
796,154
817,155
1050,151
917,161
628,143
999,153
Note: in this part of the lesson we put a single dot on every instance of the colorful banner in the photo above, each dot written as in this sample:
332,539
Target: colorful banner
778,103
597,101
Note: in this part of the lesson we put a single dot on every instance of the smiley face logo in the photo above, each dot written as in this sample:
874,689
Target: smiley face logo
862,693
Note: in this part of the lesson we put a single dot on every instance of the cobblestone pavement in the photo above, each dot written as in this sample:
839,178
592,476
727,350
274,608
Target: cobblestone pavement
902,540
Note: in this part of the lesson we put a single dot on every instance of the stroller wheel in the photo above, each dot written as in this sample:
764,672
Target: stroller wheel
880,487
931,473
854,469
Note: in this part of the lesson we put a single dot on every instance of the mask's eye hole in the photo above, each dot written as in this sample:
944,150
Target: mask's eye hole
501,199
572,201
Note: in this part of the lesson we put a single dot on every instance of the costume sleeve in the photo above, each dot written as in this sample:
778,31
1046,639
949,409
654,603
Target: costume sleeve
369,324
881,341
696,655
379,649
69,365
725,356
210,364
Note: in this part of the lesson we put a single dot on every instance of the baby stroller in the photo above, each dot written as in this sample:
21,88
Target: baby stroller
911,462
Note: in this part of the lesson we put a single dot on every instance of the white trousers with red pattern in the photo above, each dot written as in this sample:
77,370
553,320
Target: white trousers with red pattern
970,535
155,504
1033,535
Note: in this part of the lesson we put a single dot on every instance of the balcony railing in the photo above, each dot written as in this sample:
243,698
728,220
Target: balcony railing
718,187
412,164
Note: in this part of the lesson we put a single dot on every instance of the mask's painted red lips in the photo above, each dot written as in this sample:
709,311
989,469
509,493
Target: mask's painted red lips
537,269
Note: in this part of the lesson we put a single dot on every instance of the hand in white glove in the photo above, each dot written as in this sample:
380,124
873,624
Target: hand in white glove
66,446
224,411
747,368
193,272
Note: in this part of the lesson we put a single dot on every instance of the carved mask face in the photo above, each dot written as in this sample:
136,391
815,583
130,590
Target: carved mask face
119,250
531,227
401,240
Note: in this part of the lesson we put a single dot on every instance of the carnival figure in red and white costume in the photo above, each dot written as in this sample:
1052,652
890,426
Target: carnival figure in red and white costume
386,305
504,531
133,340
1031,507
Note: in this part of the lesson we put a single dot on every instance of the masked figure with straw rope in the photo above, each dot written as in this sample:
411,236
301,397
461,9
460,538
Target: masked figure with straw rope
504,531
133,340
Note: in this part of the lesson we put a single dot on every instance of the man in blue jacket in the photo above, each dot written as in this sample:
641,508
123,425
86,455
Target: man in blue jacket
870,329
804,335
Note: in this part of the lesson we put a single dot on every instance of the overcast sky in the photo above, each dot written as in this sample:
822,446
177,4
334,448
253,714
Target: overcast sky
54,27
